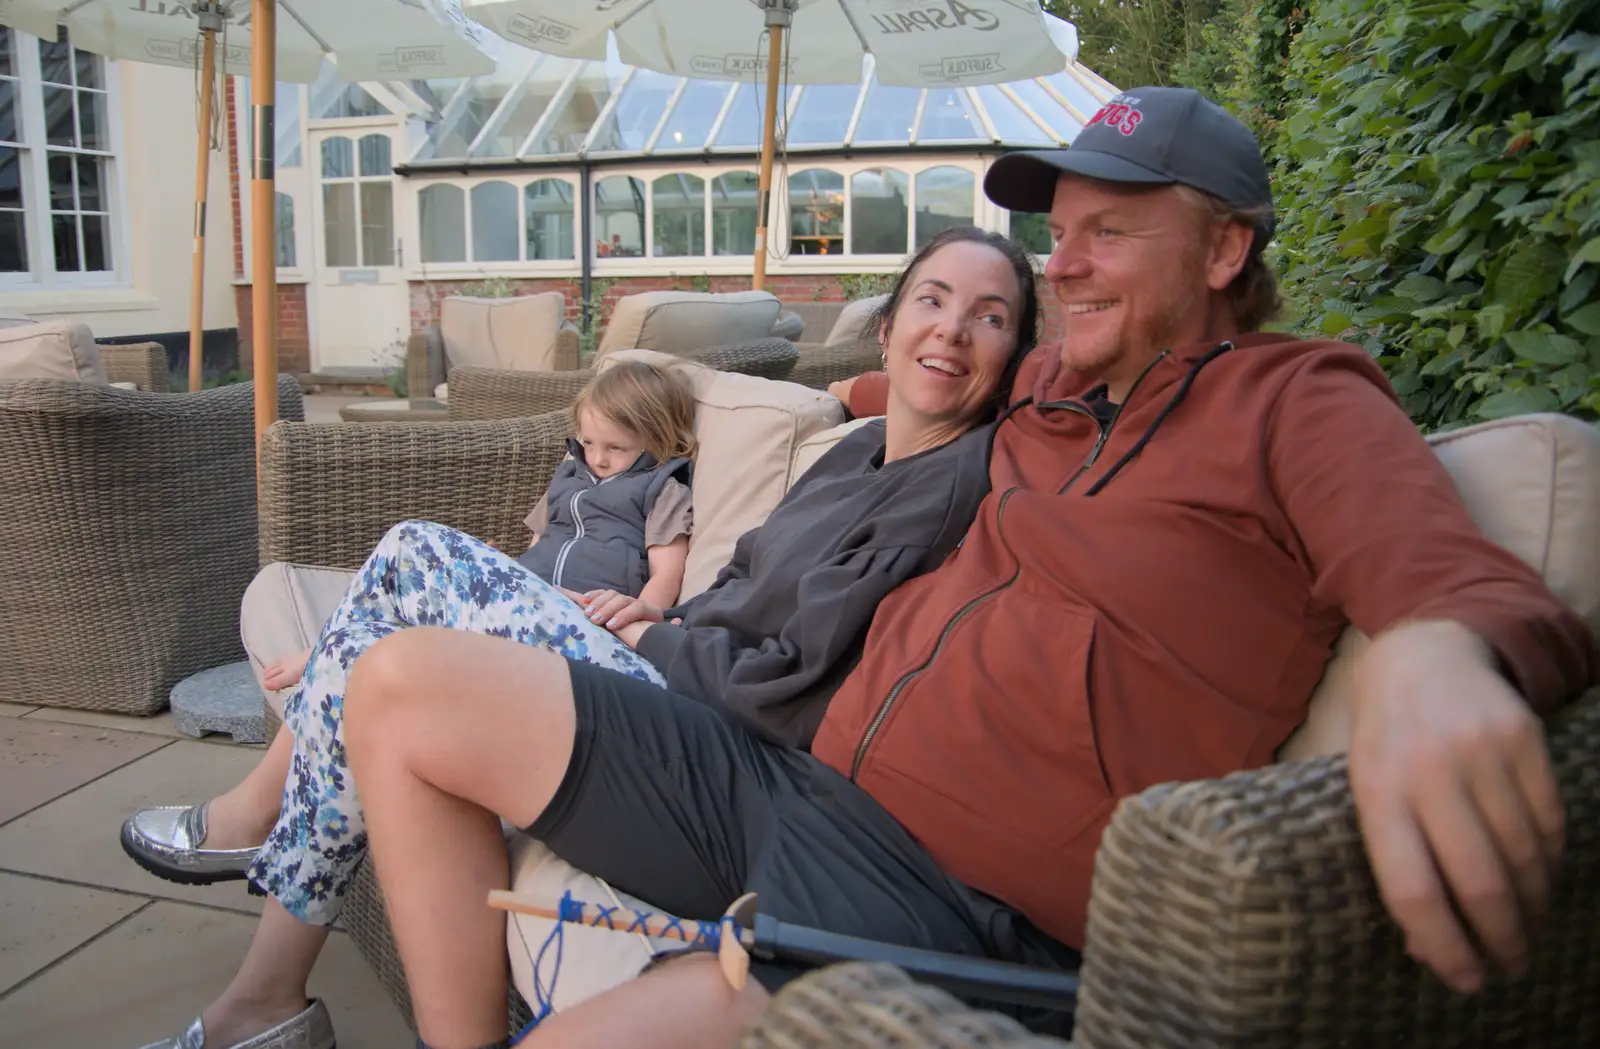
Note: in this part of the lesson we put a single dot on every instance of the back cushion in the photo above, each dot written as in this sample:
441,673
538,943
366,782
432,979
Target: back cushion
749,430
853,319
1533,485
50,350
816,446
515,334
677,322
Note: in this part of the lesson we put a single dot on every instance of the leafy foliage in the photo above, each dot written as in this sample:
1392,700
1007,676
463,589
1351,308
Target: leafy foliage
1439,198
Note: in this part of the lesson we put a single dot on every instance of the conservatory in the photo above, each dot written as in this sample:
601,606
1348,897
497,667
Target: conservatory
555,172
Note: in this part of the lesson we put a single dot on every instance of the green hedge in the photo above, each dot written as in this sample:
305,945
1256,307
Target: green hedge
1439,189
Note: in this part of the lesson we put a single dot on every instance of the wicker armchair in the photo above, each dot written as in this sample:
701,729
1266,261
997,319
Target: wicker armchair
127,537
427,365
142,363
491,393
820,365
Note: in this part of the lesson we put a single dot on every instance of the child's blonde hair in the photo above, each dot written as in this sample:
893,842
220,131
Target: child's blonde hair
653,403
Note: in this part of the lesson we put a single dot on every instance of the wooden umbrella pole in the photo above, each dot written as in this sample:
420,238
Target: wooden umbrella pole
769,127
202,183
263,247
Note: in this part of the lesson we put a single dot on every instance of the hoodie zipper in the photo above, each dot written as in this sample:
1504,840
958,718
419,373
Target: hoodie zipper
578,533
900,686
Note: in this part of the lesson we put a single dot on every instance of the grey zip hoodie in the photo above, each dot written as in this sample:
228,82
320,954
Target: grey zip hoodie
783,624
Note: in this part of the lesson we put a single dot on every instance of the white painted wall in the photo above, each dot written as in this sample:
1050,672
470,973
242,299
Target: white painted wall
158,107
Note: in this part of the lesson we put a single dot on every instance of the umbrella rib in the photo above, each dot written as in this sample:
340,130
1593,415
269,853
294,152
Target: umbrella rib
312,33
848,17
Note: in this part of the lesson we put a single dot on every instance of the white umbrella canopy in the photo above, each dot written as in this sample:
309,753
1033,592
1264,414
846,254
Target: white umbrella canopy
367,39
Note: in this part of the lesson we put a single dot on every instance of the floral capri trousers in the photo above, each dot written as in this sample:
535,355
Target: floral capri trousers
421,574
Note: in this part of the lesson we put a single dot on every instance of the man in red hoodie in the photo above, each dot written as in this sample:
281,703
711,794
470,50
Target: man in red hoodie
1185,512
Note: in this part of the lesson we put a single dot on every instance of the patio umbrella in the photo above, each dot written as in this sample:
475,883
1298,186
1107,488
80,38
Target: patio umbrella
366,39
915,43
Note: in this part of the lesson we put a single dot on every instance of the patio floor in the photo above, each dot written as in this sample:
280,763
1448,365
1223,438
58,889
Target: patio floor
94,952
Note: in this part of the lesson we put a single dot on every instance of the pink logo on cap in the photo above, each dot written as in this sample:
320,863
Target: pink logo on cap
1119,115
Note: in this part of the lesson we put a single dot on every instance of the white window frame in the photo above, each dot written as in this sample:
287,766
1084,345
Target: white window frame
34,177
522,266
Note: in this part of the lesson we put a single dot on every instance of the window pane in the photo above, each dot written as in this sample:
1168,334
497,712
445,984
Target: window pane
494,222
377,223
880,212
637,113
62,197
888,114
95,244
375,155
55,60
1078,96
286,124
1032,230
283,218
338,159
332,98
65,231
619,217
1011,123
443,213
1046,108
92,121
91,178
13,243
734,200
88,69
513,124
550,230
743,124
10,177
823,114
596,83
816,212
339,224
8,111
58,116
8,62
944,199
680,215
694,114
948,115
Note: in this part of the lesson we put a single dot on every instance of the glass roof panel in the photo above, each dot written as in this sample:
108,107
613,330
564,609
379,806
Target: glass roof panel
823,114
693,116
743,124
475,102
509,127
437,92
1010,122
636,114
1046,108
888,114
1079,96
569,127
948,116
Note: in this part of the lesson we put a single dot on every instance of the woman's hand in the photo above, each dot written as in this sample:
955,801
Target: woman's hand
614,611
281,673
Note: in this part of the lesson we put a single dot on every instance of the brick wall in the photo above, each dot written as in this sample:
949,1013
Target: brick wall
294,338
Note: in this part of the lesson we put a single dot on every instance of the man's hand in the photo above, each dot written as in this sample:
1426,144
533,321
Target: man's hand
1456,798
841,390
614,611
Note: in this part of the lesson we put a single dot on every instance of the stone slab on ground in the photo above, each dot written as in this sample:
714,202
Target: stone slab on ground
222,699
44,760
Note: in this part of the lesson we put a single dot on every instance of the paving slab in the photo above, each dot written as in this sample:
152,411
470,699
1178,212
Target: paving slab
75,838
148,977
41,760
41,921
15,710
159,725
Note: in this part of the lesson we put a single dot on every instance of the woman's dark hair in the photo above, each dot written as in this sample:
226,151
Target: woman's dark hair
1027,283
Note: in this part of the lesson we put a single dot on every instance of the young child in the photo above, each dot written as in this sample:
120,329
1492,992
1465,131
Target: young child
616,515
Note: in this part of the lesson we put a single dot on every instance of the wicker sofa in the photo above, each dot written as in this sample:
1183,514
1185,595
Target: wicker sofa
1231,912
127,537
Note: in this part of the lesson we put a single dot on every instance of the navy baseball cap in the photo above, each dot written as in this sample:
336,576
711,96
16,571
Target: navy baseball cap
1150,135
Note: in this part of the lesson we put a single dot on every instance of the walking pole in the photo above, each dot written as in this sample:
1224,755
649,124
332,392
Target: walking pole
779,15
210,22
263,253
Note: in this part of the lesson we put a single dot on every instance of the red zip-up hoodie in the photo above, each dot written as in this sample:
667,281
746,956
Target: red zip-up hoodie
1154,600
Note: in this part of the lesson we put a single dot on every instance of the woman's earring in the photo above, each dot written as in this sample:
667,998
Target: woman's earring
885,360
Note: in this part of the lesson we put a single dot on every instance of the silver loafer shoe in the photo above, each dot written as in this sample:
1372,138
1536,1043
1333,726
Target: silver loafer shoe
166,842
312,1029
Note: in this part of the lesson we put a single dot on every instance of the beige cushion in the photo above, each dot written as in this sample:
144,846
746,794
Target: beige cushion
1533,485
515,334
9,319
853,319
50,350
816,446
679,321
749,430
284,609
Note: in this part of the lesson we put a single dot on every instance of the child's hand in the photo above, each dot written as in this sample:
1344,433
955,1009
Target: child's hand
615,611
281,673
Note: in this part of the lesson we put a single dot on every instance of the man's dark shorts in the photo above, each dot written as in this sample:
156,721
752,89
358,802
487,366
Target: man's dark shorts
680,804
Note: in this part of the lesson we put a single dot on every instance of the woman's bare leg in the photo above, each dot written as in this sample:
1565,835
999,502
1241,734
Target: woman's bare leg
241,817
270,985
435,775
